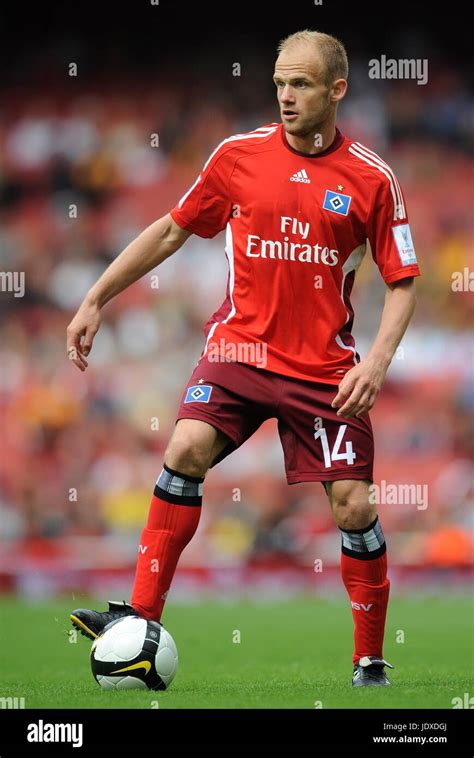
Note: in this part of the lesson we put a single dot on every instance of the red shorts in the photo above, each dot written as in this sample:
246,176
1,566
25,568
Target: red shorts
318,445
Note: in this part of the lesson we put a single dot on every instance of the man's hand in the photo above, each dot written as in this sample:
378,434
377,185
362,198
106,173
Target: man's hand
154,245
361,385
84,326
359,388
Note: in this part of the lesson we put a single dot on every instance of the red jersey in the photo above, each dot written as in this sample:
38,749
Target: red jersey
297,227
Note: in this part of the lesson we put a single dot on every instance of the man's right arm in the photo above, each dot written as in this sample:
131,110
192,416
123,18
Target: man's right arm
156,243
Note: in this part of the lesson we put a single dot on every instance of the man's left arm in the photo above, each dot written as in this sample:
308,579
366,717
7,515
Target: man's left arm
359,388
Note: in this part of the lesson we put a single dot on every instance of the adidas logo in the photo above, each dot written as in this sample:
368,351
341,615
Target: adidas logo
300,176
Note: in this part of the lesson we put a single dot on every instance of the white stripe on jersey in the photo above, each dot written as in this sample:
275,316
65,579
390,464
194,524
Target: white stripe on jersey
229,250
352,264
381,162
398,205
262,131
189,191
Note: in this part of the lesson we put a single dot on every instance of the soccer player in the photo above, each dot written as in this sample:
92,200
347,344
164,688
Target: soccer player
299,202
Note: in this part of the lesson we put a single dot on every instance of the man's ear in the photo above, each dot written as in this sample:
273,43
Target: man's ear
338,90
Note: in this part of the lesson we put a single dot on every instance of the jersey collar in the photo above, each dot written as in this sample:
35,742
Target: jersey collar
335,145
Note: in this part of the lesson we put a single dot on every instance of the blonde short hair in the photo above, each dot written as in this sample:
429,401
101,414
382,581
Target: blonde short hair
332,51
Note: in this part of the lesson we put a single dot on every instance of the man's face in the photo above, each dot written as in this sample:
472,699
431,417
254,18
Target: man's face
304,99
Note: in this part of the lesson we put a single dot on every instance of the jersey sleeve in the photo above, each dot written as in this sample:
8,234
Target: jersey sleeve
389,232
206,207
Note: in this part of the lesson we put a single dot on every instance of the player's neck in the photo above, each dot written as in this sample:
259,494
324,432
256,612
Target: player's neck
315,143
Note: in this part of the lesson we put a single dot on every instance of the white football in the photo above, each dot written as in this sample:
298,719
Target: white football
134,653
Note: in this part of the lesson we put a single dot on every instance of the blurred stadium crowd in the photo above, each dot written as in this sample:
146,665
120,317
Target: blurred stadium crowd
81,174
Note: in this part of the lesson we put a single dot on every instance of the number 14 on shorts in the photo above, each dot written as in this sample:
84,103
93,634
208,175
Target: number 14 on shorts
335,454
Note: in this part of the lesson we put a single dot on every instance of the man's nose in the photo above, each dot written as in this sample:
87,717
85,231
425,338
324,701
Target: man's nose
287,95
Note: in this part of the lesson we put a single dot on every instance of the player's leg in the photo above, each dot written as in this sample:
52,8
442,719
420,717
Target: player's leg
174,512
219,410
222,406
321,446
364,573
172,521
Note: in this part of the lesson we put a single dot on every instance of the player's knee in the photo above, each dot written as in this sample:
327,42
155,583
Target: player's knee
353,513
187,457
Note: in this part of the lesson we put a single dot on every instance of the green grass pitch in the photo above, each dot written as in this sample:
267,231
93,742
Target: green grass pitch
292,654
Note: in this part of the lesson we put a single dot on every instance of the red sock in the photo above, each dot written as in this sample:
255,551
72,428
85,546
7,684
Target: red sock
368,587
172,521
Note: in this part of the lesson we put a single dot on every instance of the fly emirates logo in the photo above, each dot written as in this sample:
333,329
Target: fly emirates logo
288,250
